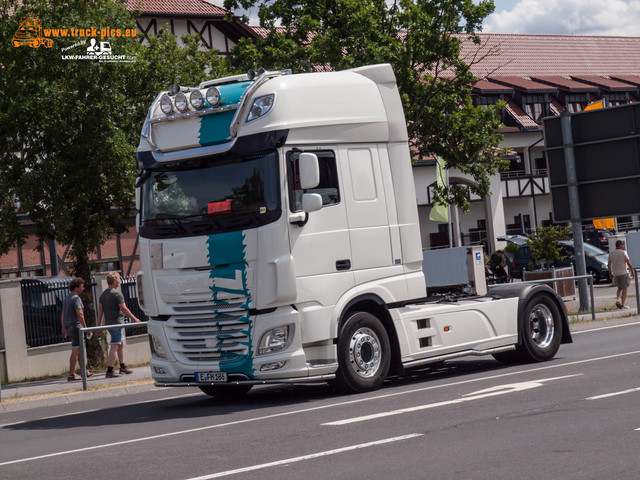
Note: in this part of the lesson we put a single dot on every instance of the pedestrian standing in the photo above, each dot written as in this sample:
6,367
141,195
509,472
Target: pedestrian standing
114,309
620,274
72,320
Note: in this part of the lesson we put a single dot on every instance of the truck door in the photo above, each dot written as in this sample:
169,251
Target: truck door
320,245
367,214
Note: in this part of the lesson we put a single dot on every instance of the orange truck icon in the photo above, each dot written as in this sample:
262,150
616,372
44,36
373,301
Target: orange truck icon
30,33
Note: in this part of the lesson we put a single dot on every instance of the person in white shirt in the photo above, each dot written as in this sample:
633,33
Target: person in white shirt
621,276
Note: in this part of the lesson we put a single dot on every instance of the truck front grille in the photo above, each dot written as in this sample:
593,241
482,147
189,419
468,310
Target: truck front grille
210,338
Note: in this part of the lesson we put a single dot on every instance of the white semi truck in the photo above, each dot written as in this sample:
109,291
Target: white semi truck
279,242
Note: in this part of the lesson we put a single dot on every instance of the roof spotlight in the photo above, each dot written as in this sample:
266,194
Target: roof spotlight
196,99
213,96
181,102
165,104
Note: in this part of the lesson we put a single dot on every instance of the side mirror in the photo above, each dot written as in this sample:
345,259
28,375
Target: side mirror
309,170
311,202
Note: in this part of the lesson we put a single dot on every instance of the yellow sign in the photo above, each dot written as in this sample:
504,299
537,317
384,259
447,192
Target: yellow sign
603,223
594,106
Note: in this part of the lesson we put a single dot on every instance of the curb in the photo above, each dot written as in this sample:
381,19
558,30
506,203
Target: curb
54,398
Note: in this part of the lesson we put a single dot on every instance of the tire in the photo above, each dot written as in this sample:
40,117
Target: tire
594,274
541,330
225,392
364,354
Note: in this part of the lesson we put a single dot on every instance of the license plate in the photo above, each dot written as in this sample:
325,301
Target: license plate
211,377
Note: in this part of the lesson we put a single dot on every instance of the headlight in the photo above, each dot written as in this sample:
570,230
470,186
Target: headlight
181,102
165,104
261,106
213,96
196,99
156,347
276,339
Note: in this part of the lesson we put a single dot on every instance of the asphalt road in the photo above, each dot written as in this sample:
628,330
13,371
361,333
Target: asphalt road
575,417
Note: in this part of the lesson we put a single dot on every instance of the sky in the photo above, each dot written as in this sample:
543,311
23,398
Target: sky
564,17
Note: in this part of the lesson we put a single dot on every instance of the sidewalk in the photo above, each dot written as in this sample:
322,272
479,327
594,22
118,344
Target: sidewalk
57,390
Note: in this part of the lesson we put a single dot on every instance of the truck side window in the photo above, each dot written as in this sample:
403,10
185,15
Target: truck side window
328,186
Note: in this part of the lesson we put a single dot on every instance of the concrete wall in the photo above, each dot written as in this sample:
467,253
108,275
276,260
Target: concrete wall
18,362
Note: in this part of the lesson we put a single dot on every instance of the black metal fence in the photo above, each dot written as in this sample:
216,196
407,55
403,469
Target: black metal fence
129,288
42,308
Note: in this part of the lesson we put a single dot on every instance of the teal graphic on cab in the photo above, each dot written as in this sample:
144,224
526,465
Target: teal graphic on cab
214,129
226,253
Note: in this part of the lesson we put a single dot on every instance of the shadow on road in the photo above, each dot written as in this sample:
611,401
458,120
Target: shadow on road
260,399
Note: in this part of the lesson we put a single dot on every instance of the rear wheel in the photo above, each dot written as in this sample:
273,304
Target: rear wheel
225,392
540,331
364,354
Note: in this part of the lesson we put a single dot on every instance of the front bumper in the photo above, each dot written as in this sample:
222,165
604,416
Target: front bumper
313,379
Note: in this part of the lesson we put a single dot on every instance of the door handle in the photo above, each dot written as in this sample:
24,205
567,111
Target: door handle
343,264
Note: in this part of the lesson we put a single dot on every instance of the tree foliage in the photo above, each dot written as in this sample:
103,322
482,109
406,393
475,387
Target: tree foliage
421,40
544,244
69,128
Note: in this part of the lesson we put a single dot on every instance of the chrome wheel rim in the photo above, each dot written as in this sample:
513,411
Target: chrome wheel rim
541,326
364,352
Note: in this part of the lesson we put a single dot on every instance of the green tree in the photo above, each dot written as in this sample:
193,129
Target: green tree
69,127
544,244
421,40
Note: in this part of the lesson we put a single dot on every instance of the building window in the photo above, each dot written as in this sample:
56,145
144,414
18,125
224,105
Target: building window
534,110
576,102
108,267
540,165
516,166
614,99
574,107
486,100
535,106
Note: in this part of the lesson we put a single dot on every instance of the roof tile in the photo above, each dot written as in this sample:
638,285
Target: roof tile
176,7
562,55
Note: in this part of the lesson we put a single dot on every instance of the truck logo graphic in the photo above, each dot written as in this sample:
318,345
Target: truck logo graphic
30,33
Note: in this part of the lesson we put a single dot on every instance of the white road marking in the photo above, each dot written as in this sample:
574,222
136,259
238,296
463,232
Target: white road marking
613,394
307,457
323,407
605,328
488,392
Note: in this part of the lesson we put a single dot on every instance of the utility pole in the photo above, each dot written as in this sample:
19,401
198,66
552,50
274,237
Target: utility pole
574,208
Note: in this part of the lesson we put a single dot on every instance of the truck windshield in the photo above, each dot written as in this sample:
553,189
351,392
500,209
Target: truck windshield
220,196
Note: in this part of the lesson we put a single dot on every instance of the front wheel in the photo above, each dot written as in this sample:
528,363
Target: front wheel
594,274
364,354
225,392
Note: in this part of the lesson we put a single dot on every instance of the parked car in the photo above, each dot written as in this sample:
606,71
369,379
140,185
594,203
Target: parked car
596,259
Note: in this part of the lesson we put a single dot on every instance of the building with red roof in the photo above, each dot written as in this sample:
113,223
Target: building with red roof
536,76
